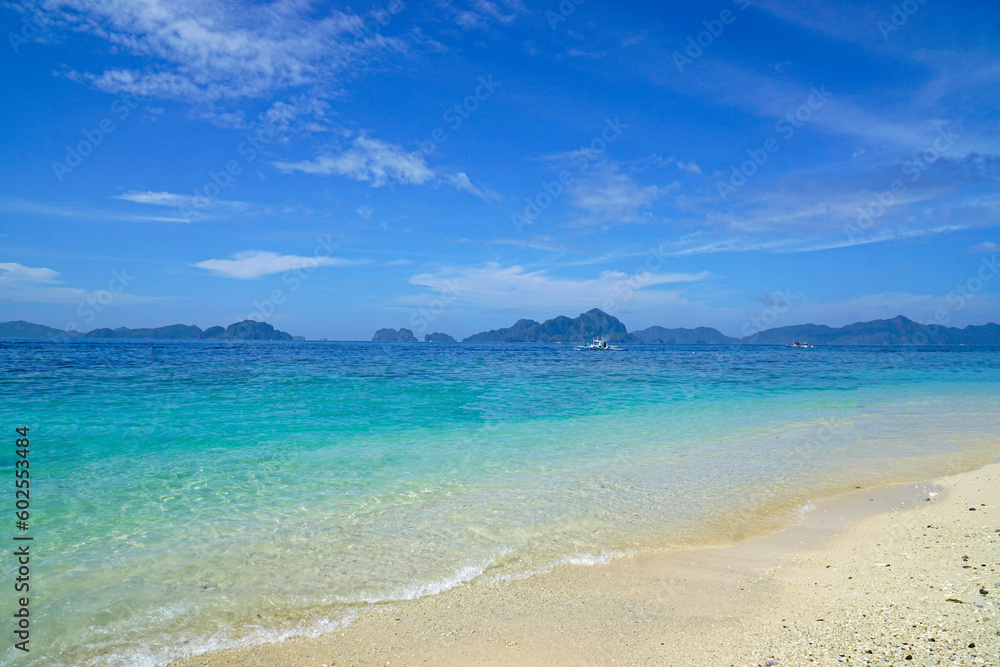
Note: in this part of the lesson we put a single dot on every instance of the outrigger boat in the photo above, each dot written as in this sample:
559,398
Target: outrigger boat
799,344
598,344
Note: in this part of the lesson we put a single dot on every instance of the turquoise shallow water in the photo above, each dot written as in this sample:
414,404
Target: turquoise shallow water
195,495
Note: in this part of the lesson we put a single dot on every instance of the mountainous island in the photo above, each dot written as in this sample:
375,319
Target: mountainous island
438,338
581,329
245,330
596,323
393,336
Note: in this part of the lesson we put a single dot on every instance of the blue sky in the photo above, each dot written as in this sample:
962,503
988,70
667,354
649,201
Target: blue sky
456,165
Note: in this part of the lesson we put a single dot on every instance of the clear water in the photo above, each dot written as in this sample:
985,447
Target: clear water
189,496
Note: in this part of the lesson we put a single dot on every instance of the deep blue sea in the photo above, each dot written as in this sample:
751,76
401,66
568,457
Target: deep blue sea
189,496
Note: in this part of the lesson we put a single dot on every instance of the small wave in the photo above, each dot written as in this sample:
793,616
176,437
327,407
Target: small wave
802,510
241,638
171,648
605,556
587,558
413,591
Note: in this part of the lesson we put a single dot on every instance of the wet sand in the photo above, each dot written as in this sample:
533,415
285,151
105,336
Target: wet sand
901,575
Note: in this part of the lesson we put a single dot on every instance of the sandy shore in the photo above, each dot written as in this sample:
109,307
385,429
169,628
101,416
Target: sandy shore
903,575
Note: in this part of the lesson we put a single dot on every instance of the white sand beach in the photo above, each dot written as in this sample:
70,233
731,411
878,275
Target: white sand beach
901,575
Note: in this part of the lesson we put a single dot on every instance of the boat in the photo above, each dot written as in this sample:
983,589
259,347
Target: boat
598,344
798,343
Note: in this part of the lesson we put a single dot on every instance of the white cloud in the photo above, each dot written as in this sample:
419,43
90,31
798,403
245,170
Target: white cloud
379,163
608,196
481,14
986,246
799,213
210,51
156,198
191,207
254,264
12,272
367,160
690,167
461,181
804,243
77,211
42,285
537,242
514,287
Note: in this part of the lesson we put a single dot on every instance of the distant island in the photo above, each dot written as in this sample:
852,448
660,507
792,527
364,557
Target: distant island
393,336
245,330
581,329
596,323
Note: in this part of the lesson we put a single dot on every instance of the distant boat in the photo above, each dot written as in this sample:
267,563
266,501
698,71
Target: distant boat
799,344
598,344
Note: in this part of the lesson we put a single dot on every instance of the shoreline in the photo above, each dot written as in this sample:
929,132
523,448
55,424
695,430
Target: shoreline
867,578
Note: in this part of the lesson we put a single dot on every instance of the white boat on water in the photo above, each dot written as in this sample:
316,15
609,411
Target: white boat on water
799,344
598,344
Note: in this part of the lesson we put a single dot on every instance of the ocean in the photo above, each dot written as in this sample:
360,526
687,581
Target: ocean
188,496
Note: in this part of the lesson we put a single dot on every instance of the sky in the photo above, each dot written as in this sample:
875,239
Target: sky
455,165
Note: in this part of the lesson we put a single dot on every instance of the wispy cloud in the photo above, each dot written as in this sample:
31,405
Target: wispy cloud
81,212
986,246
538,242
481,14
211,51
367,160
606,195
380,163
804,243
188,204
690,167
460,180
504,287
252,264
42,285
174,200
155,198
904,118
835,207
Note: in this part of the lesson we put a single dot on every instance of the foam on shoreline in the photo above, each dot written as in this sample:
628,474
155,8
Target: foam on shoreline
871,575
